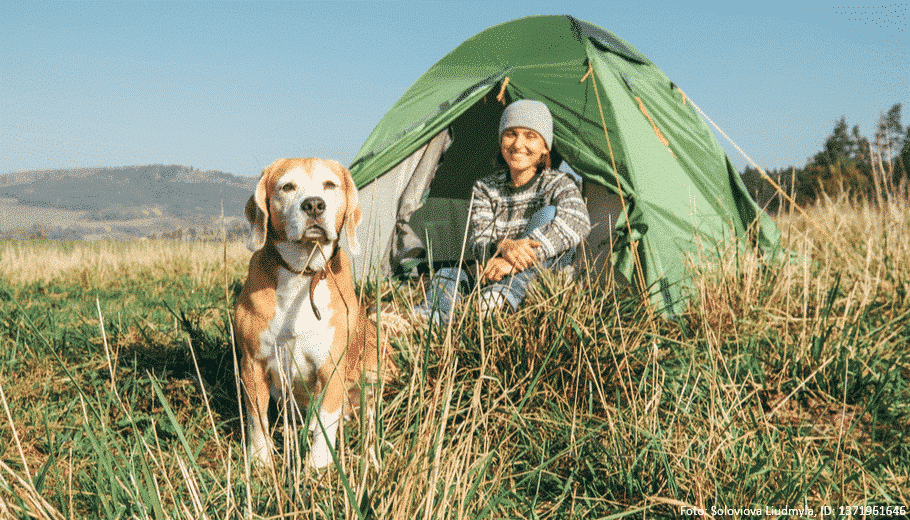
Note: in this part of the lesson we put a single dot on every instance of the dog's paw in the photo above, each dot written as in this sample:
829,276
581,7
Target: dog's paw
320,463
261,454
320,457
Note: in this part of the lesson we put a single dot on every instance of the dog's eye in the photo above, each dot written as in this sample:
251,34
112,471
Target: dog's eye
329,185
288,187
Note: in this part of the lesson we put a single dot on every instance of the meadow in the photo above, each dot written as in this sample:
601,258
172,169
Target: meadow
784,387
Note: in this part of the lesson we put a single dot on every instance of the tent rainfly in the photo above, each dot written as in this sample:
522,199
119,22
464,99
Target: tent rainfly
660,190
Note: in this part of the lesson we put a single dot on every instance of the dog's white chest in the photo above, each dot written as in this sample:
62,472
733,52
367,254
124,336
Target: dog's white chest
296,342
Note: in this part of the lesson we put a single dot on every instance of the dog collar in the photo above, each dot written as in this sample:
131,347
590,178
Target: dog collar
317,276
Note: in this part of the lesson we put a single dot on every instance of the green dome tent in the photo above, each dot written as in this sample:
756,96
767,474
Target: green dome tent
661,192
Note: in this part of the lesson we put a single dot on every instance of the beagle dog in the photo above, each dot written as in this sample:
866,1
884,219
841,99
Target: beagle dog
302,331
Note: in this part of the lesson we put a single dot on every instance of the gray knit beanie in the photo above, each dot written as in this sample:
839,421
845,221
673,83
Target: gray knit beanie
528,113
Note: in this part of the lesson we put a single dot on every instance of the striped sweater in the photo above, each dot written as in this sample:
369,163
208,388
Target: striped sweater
500,211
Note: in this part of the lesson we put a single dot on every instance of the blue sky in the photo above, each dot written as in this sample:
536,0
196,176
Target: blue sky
234,85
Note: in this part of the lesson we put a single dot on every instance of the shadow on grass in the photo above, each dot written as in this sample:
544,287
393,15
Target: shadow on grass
195,366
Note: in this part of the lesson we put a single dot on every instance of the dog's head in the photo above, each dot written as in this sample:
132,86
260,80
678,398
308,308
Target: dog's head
304,200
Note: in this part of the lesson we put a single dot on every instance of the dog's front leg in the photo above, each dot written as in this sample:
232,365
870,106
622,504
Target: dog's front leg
324,426
256,399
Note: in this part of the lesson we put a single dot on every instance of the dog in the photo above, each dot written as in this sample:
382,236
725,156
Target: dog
303,334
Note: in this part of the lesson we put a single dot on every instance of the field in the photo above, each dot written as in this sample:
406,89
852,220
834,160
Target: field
785,387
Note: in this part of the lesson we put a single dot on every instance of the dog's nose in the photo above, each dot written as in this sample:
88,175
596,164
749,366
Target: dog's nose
313,206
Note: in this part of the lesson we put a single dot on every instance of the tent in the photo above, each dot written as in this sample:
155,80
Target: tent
660,190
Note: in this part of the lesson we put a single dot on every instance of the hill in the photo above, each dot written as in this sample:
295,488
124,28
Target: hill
125,202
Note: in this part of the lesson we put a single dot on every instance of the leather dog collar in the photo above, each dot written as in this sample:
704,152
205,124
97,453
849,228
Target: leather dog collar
317,276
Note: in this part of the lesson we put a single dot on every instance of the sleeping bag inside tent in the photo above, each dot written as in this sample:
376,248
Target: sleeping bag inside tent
660,190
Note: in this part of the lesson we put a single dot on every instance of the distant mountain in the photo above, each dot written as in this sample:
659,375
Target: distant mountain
173,197
178,191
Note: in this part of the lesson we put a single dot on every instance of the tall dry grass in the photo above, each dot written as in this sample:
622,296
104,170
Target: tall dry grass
92,264
785,385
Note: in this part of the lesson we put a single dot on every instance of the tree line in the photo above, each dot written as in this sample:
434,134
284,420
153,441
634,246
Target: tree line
849,164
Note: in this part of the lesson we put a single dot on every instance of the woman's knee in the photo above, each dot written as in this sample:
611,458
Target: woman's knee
491,301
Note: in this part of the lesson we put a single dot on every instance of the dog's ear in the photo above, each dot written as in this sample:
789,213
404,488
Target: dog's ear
352,213
257,213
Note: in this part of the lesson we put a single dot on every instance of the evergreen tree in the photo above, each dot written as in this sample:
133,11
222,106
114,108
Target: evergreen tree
842,166
860,147
837,146
893,129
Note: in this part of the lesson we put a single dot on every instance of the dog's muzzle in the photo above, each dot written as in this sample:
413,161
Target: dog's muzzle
314,208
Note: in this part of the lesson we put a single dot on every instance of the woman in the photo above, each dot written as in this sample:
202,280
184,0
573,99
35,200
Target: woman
524,216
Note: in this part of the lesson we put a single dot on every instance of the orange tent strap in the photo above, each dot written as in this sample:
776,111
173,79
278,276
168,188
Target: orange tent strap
501,97
683,95
660,135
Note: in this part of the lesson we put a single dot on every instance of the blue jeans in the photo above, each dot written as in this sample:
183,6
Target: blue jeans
450,283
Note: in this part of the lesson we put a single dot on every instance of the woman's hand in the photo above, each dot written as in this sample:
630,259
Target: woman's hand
497,269
519,253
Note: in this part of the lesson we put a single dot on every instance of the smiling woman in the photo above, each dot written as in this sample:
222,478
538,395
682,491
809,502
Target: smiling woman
524,217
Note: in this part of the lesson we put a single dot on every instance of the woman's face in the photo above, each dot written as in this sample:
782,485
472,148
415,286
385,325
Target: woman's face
522,148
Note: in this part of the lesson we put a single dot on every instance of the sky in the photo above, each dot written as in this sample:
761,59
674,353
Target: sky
232,86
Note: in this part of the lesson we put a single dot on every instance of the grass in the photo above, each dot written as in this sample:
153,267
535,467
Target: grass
785,385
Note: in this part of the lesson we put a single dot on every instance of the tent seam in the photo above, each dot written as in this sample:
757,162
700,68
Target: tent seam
622,199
